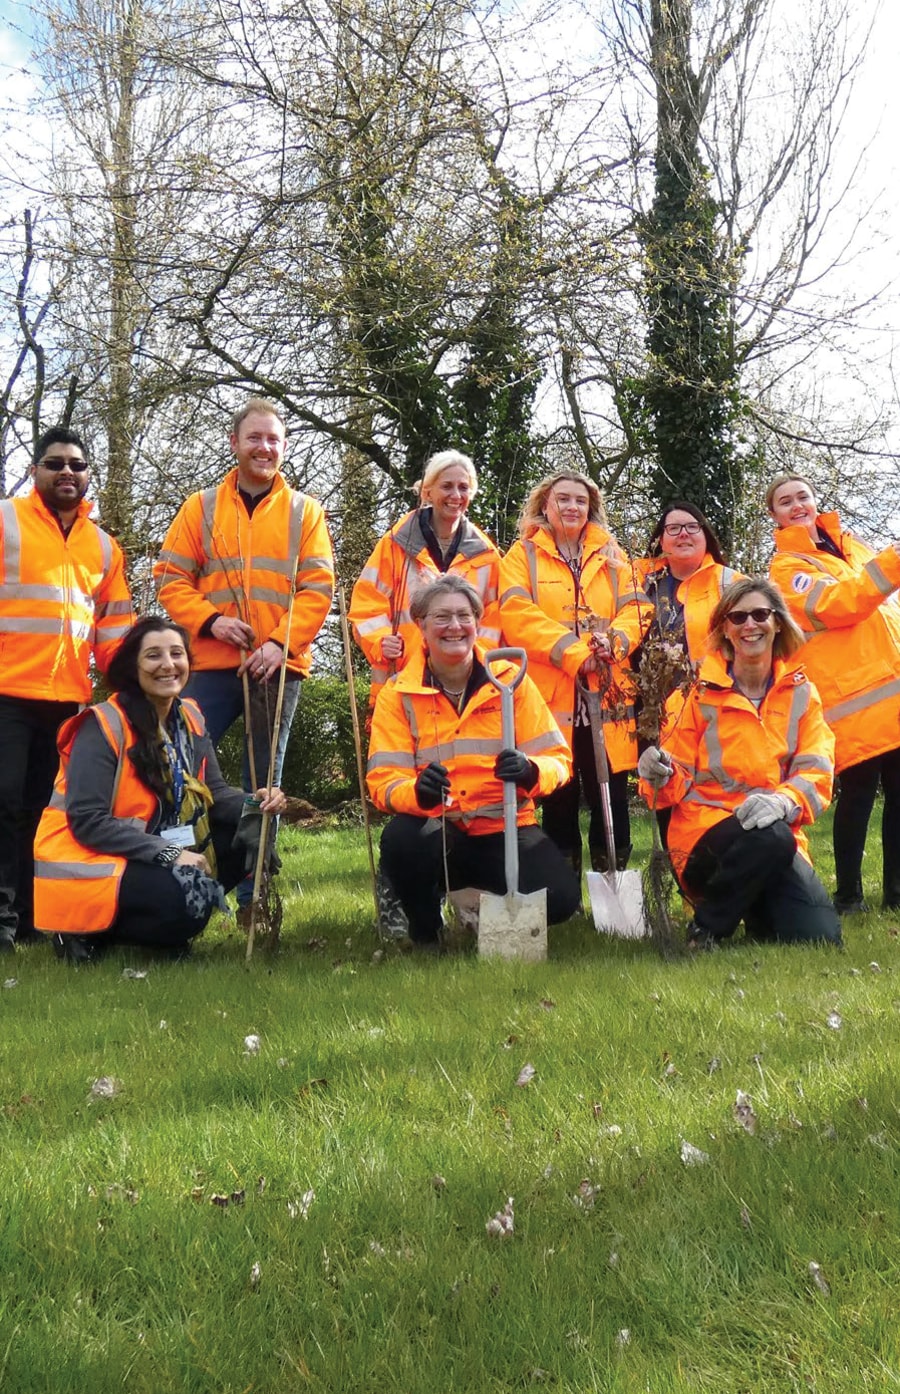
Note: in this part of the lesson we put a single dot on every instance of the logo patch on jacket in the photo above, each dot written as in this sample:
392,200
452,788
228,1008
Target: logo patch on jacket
801,582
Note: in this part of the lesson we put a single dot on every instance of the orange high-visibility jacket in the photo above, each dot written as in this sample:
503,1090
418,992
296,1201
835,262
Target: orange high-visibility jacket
62,598
724,749
542,610
217,559
399,566
76,890
851,615
698,594
414,724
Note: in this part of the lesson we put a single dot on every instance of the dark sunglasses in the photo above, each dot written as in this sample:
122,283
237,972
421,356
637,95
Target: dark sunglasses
759,615
56,465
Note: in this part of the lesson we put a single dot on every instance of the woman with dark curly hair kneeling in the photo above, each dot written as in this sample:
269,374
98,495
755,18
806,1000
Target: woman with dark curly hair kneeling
138,843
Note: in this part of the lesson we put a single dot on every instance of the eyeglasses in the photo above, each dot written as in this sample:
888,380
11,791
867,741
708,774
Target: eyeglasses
444,618
759,615
56,465
673,529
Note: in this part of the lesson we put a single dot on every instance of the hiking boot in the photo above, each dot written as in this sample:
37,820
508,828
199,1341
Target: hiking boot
393,926
76,949
700,940
851,907
600,860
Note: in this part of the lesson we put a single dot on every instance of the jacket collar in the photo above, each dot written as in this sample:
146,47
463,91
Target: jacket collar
660,563
595,537
34,500
411,679
714,670
278,483
797,539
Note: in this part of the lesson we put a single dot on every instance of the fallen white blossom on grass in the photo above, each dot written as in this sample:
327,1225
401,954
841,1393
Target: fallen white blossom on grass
526,1075
818,1277
299,1210
11,982
502,1225
743,1112
254,1277
136,973
834,1020
586,1195
252,1044
106,1087
692,1156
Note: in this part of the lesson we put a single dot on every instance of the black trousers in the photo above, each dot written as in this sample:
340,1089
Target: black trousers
28,763
152,909
757,876
559,810
852,811
412,859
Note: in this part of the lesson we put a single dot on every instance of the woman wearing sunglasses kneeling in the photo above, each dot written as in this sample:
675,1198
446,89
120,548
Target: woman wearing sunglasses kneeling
744,765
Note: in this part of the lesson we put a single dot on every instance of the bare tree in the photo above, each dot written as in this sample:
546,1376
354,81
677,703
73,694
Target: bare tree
731,109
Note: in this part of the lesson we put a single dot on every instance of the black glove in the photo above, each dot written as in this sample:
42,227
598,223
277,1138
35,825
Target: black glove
432,784
515,768
246,839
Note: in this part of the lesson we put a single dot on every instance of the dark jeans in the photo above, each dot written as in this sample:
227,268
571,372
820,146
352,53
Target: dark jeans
559,810
852,810
412,859
219,693
757,876
28,763
152,910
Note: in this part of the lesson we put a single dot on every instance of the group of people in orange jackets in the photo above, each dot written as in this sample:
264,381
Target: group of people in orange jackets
792,678
140,836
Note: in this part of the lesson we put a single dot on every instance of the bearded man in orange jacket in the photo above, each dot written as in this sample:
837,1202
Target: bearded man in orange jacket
64,601
225,574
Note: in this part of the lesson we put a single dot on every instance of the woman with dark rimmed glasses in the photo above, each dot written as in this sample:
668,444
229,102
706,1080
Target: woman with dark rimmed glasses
744,764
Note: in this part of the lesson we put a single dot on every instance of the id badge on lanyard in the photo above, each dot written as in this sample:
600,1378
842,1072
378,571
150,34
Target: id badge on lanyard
181,836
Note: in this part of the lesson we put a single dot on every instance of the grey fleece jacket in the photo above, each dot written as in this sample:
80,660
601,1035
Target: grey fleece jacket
89,785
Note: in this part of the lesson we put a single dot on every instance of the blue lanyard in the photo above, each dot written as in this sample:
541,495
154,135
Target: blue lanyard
176,756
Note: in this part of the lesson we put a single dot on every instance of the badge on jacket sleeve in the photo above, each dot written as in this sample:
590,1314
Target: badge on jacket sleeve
801,582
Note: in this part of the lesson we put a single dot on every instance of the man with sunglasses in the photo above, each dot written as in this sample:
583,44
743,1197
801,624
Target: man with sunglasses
64,601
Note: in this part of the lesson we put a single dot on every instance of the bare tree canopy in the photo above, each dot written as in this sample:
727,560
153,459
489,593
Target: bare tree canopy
420,225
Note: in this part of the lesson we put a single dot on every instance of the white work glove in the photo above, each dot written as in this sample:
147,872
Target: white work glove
655,766
762,810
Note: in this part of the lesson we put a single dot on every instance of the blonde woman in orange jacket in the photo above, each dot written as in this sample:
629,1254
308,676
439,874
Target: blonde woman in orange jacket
844,598
746,762
435,539
569,597
438,765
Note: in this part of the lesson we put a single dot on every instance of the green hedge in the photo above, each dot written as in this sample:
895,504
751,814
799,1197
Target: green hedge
320,764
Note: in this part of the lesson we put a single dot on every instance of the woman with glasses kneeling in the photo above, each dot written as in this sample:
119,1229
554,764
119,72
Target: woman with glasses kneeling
744,765
438,764
138,842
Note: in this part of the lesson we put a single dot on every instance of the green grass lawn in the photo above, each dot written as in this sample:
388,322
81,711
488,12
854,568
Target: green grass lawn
364,1147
